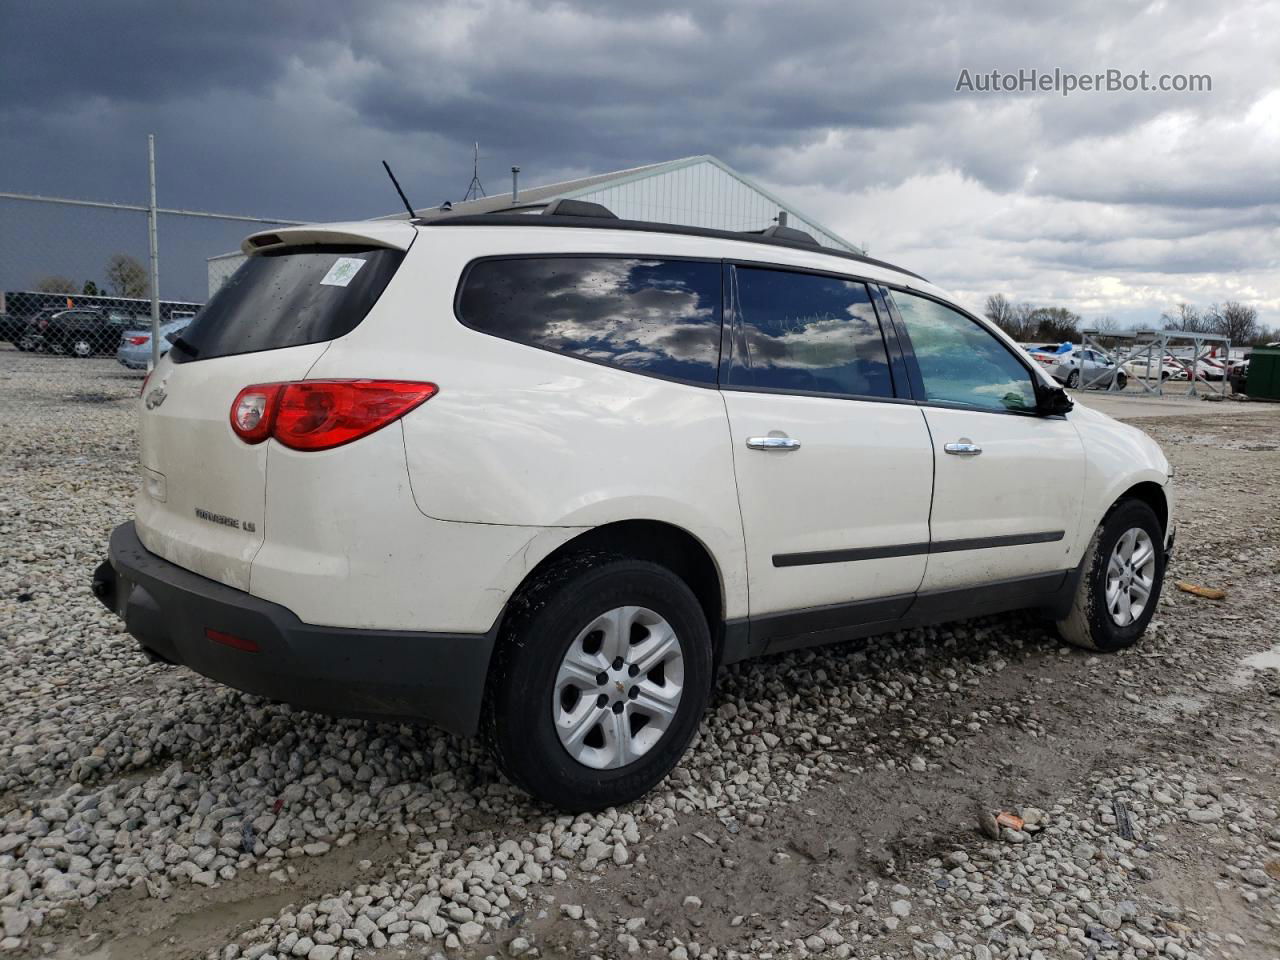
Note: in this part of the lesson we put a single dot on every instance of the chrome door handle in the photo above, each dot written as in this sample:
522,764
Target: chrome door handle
772,443
964,448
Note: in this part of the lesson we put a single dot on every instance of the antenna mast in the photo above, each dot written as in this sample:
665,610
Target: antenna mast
476,190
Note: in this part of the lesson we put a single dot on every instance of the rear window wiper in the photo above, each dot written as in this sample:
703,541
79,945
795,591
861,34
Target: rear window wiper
186,347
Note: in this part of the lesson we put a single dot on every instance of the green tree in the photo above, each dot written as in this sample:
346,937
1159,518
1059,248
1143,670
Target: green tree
127,277
90,289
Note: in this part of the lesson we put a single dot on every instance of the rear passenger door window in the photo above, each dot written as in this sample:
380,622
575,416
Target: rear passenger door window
960,361
806,333
655,316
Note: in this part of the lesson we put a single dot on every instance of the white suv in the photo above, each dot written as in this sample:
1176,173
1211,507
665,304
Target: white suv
536,475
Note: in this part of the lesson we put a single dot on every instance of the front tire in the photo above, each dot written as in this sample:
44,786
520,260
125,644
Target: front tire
599,681
1123,571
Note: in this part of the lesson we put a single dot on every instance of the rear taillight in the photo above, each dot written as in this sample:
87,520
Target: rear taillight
322,414
253,410
139,341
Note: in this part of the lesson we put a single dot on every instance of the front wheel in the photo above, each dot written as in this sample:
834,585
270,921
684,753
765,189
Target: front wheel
82,348
1121,381
600,679
1123,571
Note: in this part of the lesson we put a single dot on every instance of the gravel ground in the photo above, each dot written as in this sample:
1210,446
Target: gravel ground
838,801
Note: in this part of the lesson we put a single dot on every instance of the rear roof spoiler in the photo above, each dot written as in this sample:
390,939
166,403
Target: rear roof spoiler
394,234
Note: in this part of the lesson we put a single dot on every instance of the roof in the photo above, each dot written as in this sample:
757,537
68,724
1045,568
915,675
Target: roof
453,219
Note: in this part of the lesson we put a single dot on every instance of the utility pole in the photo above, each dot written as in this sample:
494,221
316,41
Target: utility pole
152,214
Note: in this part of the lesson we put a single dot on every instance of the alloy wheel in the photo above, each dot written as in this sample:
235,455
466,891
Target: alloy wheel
1130,576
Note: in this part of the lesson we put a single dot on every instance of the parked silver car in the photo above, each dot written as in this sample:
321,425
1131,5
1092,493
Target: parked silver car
135,345
1082,367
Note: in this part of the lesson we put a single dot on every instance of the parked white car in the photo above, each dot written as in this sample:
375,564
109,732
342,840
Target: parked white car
1154,368
538,476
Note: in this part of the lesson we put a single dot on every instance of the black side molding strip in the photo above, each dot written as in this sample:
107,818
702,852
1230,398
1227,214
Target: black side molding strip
913,549
845,556
982,543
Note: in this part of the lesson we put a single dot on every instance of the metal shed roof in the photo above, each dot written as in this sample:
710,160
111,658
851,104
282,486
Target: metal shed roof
607,183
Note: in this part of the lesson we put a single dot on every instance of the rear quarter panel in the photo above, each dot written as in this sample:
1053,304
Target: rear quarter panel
519,436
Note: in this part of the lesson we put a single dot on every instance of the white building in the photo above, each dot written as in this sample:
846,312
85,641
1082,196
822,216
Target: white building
695,191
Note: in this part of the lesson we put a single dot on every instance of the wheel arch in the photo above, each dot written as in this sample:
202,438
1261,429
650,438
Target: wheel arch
659,542
1153,495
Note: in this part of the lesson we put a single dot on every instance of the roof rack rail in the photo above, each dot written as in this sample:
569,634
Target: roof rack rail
518,217
563,207
780,232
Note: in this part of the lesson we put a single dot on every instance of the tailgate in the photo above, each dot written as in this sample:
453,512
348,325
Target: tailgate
203,492
204,489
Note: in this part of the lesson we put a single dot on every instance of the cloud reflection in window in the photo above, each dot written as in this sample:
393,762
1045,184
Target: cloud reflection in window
650,315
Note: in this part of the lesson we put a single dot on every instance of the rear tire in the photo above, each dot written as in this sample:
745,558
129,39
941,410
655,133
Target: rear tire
1073,380
82,348
558,730
1105,614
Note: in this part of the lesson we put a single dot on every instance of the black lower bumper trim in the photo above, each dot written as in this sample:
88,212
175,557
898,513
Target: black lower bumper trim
373,674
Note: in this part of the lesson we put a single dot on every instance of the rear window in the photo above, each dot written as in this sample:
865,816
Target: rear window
289,297
807,333
646,315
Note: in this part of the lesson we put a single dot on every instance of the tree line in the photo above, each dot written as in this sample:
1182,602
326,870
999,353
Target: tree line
125,277
1026,322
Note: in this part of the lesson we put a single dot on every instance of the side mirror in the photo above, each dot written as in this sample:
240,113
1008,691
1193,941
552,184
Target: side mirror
1052,401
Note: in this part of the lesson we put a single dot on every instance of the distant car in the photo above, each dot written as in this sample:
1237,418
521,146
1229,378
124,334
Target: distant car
1152,368
12,328
1073,366
28,332
1207,368
84,331
135,345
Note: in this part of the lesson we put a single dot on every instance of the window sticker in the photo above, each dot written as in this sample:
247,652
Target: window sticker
343,269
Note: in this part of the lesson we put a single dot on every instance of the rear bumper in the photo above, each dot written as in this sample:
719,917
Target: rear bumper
374,674
133,360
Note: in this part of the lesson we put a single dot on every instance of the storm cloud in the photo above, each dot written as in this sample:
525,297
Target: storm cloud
1116,203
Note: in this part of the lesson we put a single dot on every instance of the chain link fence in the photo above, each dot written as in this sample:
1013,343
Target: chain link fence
78,316
76,277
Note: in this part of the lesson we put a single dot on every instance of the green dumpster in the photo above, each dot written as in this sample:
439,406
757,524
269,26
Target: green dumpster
1264,373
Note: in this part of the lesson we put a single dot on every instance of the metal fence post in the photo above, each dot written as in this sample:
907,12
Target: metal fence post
152,214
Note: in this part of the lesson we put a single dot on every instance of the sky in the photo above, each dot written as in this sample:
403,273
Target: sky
1117,204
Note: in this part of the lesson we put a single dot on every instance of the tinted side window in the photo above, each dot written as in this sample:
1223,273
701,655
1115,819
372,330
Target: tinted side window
960,362
648,315
808,333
